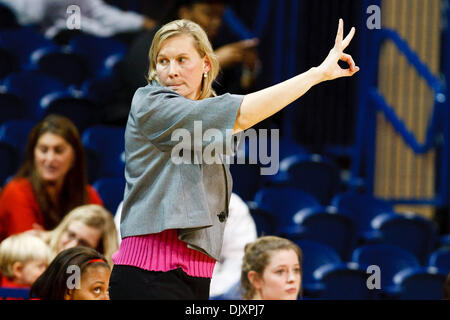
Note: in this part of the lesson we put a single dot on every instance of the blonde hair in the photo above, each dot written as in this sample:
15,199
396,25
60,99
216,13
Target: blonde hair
201,43
21,247
257,258
94,216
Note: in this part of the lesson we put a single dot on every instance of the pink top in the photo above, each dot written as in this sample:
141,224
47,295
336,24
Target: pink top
163,252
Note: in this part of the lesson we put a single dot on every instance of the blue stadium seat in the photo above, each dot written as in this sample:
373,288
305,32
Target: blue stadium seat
389,258
264,220
290,148
440,259
315,255
101,53
105,146
81,111
15,293
8,63
102,56
245,168
313,174
285,148
345,281
11,106
15,133
283,203
246,179
67,66
327,226
419,284
111,191
409,231
13,140
100,90
31,86
22,42
362,209
8,163
444,241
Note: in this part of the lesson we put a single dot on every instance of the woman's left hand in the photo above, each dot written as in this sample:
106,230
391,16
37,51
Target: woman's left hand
330,67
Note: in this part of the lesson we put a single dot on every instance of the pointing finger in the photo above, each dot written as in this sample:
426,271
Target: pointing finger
340,33
348,38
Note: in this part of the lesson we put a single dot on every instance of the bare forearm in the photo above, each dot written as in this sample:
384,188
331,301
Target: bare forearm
262,104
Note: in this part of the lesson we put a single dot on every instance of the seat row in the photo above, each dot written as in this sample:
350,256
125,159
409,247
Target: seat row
85,57
352,219
298,168
374,272
39,77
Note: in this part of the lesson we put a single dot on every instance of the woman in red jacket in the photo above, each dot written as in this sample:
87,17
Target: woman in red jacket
51,182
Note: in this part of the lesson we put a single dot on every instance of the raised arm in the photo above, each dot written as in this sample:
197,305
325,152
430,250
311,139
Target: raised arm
262,104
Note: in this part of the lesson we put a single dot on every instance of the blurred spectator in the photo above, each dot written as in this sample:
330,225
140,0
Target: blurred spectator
90,226
447,288
240,229
78,273
238,60
230,53
97,17
23,258
271,269
51,182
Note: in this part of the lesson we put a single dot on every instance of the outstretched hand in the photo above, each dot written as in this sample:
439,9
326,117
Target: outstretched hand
330,67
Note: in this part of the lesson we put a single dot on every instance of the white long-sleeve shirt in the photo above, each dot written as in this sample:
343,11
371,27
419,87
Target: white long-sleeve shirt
240,229
96,17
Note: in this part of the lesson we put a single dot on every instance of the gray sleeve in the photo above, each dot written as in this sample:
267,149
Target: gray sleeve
166,118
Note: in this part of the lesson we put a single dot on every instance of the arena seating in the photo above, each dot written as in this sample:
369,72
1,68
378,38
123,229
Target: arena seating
283,203
111,191
104,146
327,226
340,231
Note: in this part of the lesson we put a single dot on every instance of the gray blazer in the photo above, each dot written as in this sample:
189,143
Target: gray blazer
160,194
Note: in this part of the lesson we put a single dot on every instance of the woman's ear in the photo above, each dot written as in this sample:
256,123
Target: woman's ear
206,64
68,295
17,270
254,279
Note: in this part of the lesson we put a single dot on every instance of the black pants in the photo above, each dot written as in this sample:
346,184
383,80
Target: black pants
131,283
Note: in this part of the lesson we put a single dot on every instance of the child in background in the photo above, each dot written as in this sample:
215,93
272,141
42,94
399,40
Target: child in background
23,258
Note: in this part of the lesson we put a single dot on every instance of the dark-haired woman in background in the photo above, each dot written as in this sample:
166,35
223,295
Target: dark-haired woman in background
51,182
78,273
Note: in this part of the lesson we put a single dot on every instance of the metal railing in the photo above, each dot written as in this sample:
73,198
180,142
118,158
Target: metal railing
372,101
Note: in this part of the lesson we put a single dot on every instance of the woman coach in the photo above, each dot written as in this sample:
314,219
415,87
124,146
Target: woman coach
174,214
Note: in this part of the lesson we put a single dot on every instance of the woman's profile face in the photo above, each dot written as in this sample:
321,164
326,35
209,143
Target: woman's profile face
53,157
281,278
79,234
93,285
180,67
